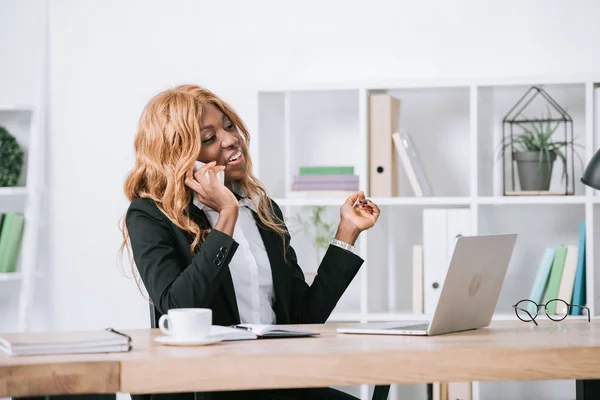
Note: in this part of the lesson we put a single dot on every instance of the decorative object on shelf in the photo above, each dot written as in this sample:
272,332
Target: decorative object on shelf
321,231
534,150
591,175
11,159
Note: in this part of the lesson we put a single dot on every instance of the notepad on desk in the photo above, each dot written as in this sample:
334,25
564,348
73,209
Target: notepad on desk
74,342
256,331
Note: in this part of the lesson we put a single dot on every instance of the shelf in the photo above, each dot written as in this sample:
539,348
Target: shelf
380,201
313,201
531,200
421,201
327,123
13,191
15,108
12,277
375,84
441,201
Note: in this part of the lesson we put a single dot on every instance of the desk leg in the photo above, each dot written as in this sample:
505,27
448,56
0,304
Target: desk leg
381,392
587,389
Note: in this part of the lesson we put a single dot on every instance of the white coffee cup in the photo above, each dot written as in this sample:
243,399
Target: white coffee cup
186,322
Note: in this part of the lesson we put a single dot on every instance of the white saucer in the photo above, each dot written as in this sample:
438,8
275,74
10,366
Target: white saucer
185,341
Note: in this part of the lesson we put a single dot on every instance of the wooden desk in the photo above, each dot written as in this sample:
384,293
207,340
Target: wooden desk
504,351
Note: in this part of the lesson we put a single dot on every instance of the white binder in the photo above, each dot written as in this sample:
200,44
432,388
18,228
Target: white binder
441,228
384,120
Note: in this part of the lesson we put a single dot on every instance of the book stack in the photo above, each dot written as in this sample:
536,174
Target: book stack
11,236
561,275
325,180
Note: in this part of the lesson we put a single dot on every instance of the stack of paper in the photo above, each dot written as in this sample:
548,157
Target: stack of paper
40,343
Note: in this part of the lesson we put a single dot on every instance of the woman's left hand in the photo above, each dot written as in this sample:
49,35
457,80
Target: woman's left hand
363,215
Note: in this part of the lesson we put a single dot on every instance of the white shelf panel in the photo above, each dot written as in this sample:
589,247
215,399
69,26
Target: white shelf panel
314,201
13,277
531,200
13,191
421,201
442,201
15,108
376,84
13,199
381,201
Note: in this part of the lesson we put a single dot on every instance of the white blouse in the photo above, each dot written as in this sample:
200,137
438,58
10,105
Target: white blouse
250,267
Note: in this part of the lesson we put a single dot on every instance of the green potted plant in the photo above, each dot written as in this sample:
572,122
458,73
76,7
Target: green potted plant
11,159
535,152
320,231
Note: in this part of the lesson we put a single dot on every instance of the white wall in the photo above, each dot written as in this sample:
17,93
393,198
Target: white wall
22,34
108,57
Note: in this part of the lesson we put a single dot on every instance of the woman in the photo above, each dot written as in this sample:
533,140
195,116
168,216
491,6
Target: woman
200,242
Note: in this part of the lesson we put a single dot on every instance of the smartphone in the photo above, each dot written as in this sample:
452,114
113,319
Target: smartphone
220,174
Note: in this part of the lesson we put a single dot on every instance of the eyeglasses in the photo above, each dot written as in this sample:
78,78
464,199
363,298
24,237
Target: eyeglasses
556,310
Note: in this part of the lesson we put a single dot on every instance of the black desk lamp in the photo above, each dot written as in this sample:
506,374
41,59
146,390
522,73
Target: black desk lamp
591,175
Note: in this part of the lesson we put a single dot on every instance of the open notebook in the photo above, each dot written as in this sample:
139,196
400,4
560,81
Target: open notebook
254,331
40,343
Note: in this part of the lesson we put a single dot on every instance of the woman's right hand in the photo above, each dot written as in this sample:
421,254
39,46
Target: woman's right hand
211,192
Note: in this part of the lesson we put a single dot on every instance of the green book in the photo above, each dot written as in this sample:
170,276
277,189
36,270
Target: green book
555,277
327,170
4,239
11,239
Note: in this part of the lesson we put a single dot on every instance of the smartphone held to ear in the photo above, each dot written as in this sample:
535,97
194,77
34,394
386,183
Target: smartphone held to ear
220,174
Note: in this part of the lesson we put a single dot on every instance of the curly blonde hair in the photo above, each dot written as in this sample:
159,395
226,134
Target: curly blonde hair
167,145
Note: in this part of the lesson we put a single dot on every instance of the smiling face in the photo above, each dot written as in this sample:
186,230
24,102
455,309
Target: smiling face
221,142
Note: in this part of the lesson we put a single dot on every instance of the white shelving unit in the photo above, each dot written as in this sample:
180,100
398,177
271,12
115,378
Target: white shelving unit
456,126
16,289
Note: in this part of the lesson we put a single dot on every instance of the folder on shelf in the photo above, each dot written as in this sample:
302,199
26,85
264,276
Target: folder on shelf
565,290
555,277
541,278
412,164
441,228
579,295
384,118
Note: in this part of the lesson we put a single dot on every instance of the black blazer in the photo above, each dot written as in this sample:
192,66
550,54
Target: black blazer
174,278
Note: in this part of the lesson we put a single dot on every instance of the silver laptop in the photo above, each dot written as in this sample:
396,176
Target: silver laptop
469,293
